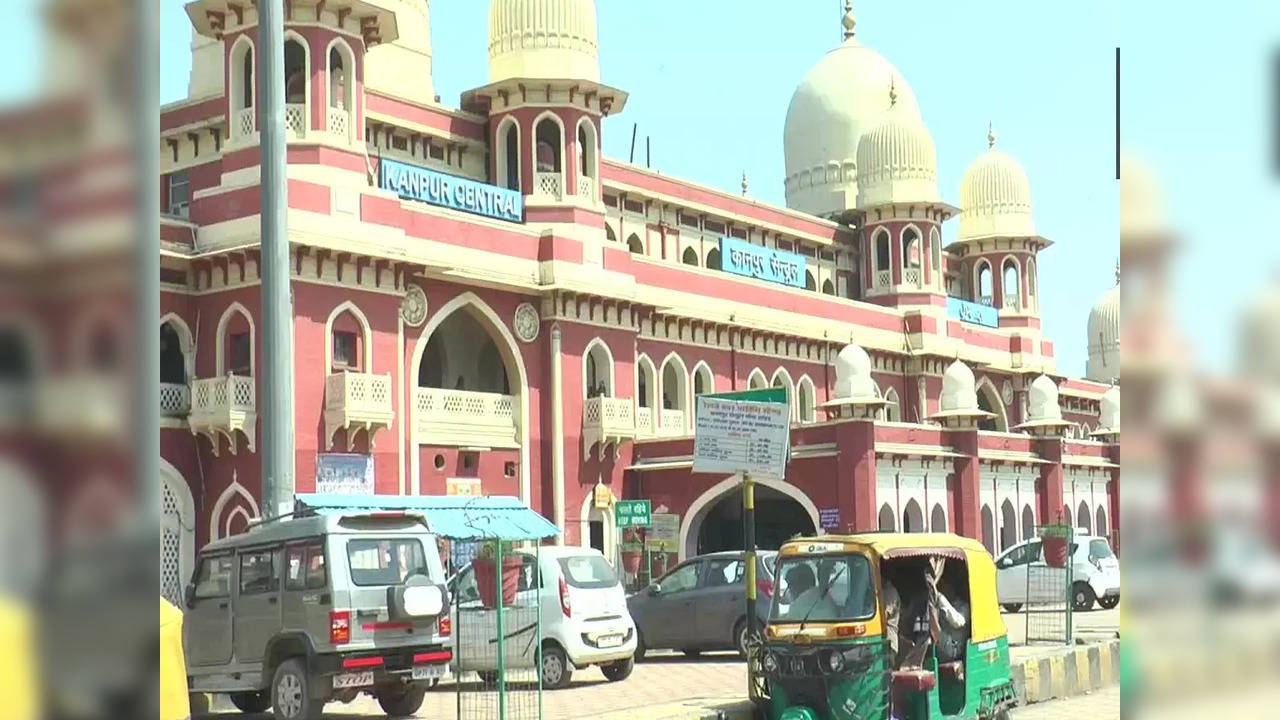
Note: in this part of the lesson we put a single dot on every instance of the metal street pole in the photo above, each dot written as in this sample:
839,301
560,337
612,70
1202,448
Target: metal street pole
147,162
277,311
749,544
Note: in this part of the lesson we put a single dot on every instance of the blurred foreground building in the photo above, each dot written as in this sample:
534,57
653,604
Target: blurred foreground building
483,304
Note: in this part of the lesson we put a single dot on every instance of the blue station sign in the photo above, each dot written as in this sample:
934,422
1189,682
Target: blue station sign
972,312
459,193
743,258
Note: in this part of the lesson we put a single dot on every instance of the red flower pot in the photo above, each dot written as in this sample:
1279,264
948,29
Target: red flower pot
631,561
486,583
1055,551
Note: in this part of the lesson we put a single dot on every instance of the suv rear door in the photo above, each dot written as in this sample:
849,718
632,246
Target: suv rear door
375,562
307,599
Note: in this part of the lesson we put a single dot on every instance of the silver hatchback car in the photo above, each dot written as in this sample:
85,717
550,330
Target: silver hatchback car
320,607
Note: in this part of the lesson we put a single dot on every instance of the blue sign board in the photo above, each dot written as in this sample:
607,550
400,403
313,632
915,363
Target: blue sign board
972,312
437,188
344,473
830,518
743,258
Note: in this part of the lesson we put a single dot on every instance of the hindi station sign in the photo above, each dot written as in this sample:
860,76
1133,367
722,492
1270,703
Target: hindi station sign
972,312
743,258
631,513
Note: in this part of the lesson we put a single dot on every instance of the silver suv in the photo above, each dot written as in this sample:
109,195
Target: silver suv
318,607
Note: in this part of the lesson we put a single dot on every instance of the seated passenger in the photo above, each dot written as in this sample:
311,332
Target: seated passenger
953,611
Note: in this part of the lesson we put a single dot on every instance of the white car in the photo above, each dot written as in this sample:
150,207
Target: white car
1095,575
584,613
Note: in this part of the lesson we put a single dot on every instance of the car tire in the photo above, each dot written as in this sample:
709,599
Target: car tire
294,693
618,671
640,646
1012,607
1082,597
741,637
251,702
488,677
1109,603
402,701
556,670
692,653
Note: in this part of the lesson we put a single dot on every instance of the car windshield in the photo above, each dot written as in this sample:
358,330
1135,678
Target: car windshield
587,571
823,588
1100,549
387,561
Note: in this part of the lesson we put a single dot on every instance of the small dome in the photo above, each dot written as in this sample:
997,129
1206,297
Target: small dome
897,160
959,390
1109,415
547,39
1104,338
840,97
995,197
853,373
1042,401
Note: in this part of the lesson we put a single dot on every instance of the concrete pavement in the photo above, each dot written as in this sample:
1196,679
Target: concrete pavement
1101,705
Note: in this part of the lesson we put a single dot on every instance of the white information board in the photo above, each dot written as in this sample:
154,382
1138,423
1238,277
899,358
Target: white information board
741,437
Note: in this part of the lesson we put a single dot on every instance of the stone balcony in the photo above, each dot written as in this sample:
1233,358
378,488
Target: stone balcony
607,421
82,405
222,406
461,417
356,401
175,400
652,423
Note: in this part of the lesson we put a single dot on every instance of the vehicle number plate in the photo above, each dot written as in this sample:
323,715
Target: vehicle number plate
427,672
608,641
355,679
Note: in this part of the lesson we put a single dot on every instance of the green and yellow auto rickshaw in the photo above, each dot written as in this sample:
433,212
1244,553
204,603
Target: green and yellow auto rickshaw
829,651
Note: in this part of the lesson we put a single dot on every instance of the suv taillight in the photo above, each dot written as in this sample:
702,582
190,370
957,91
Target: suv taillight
565,607
446,625
339,627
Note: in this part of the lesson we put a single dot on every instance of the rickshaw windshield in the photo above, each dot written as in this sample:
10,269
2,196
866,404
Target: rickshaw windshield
824,588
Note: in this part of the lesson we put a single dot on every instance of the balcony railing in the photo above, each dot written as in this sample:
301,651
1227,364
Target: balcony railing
1012,301
221,406
644,422
986,300
243,123
339,124
586,188
884,278
607,421
911,276
672,423
175,400
549,184
460,417
295,120
357,401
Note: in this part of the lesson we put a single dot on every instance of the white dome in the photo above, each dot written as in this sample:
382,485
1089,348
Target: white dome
1042,401
1104,338
959,390
853,373
995,197
547,39
1109,414
896,161
840,97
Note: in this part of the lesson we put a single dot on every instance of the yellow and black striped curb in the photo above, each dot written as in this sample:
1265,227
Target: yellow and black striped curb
1071,671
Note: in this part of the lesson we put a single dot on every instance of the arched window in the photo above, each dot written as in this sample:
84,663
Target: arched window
675,392
703,380
988,529
1008,526
756,380
645,385
886,519
347,343
882,249
1101,527
1012,292
809,283
609,234
989,401
782,379
805,400
548,146
247,85
338,83
983,284
235,349
690,257
587,159
509,153
713,259
241,93
913,518
173,359
935,247
892,410
1028,522
1032,300
1082,518
295,73
910,248
462,355
634,245
828,288
938,520
341,68
598,370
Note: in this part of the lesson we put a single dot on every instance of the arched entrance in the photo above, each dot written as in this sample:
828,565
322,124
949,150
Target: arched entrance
912,518
1008,526
988,529
1082,517
887,522
714,521
989,401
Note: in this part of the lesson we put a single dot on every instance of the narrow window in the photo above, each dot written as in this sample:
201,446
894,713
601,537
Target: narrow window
344,351
179,200
238,350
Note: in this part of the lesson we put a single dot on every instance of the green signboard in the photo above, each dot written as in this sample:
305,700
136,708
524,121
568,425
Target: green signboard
631,513
764,395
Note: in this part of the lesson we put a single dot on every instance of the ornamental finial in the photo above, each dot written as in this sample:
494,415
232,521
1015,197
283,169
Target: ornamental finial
991,135
848,21
744,183
893,92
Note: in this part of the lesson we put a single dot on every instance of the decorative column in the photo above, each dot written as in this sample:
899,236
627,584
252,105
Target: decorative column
855,493
557,434
965,490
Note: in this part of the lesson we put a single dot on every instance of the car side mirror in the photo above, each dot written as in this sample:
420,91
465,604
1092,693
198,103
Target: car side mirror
655,588
190,594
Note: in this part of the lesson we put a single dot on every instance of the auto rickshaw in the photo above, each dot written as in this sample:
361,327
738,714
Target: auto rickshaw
827,654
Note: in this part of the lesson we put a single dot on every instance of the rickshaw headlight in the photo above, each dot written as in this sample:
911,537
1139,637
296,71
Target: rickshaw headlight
833,661
770,663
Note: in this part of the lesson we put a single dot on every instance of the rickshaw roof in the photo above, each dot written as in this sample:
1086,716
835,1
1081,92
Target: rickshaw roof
883,542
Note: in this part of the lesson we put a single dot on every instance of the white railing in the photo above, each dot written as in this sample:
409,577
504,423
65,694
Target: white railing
1011,301
243,122
453,417
911,276
611,416
212,396
586,187
357,392
175,400
986,300
339,124
672,423
884,278
644,422
295,120
549,184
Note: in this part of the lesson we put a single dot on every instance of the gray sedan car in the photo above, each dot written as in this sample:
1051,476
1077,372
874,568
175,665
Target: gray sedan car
701,604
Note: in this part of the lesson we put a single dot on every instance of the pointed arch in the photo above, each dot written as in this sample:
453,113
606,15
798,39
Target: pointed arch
298,75
588,512
806,399
234,491
988,529
220,352
673,387
507,153
935,257
559,158
1010,275
938,519
1083,518
242,76
511,356
699,508
186,342
597,360
1028,522
366,335
646,382
892,406
887,522
983,283
1008,525
634,245
704,381
912,517
690,256
177,533
781,378
588,152
910,238
756,380
987,389
882,255
1100,522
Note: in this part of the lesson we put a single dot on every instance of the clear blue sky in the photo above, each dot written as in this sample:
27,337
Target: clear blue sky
710,81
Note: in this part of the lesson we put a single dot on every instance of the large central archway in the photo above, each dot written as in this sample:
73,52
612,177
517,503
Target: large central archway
714,520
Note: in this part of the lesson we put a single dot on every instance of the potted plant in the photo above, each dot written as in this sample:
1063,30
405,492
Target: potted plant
1054,541
485,565
632,550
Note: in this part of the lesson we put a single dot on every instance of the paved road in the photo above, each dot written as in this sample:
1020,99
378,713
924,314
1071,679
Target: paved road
1102,705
